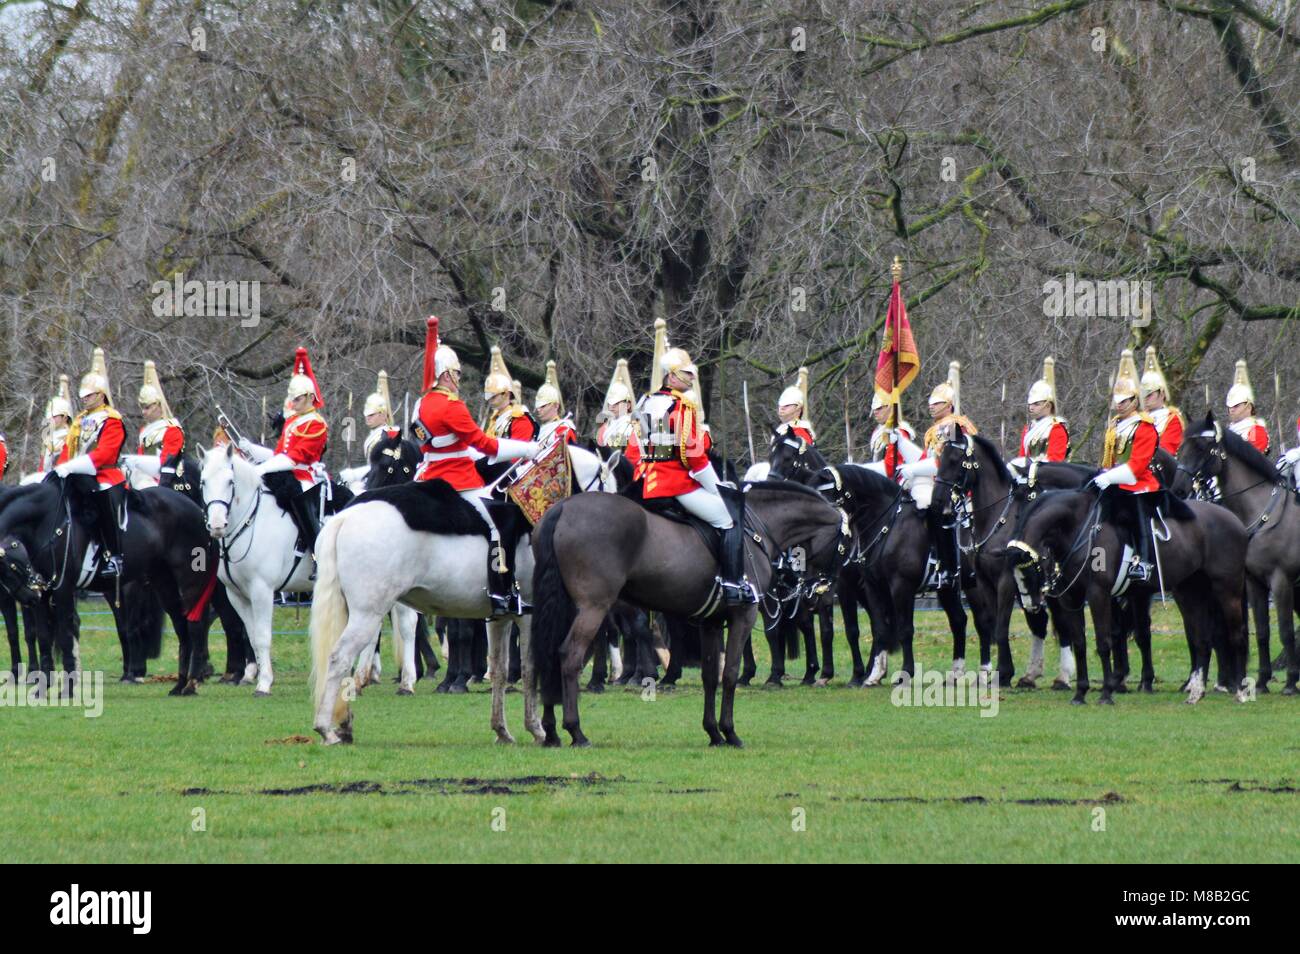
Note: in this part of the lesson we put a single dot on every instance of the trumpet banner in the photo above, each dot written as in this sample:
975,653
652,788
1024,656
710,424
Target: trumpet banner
543,484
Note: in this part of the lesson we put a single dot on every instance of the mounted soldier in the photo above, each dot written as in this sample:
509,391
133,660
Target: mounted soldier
509,417
1169,421
451,441
58,417
1131,442
550,410
1241,411
294,470
918,475
885,455
672,461
378,415
1045,437
619,426
1291,459
792,410
94,447
161,440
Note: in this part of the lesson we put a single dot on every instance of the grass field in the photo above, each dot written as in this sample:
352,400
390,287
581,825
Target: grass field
869,780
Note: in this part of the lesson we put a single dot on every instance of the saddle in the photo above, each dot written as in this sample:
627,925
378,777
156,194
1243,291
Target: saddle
670,509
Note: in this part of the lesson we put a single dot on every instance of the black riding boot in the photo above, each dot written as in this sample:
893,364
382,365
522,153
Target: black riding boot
945,548
1142,569
109,504
503,591
736,587
304,515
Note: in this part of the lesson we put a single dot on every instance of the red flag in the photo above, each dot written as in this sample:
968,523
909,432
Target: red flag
899,361
430,352
302,365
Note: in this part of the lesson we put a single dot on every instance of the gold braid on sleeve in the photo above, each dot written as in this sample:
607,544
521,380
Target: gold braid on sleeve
1108,451
688,425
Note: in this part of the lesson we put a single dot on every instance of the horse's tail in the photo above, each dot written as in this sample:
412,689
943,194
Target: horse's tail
553,611
329,610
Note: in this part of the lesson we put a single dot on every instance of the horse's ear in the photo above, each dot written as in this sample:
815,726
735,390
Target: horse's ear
1209,418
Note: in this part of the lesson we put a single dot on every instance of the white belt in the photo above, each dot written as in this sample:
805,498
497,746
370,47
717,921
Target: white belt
430,456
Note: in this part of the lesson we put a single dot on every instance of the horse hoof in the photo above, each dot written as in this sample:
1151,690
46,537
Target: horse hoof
504,737
551,742
1060,685
1122,688
772,685
744,680
719,741
329,737
1146,687
458,689
733,740
1027,682
580,744
1290,690
596,687
191,688
1261,688
404,691
175,691
1106,701
261,693
666,687
1077,701
856,682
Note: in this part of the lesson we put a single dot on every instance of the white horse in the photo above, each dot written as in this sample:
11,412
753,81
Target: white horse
370,558
257,559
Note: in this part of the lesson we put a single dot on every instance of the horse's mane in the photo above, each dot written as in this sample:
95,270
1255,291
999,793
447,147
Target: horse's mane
1248,454
861,478
786,486
431,506
994,453
1043,498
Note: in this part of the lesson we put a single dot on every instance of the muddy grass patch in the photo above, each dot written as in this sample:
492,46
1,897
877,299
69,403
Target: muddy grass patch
1110,798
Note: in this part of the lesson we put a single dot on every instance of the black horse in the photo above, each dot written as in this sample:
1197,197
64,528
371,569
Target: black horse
167,548
1228,470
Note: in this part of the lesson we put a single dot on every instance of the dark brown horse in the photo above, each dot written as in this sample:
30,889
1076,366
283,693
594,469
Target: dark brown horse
1229,471
593,549
1071,542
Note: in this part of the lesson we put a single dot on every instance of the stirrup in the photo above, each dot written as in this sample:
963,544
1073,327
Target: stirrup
1140,571
111,566
737,594
508,604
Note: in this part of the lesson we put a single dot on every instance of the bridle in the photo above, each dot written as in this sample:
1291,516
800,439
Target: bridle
1206,487
1087,532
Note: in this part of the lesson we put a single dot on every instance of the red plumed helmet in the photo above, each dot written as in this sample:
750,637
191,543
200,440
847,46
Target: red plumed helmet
303,380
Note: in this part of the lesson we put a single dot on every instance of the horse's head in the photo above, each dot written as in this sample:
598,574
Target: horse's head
792,458
1203,457
218,485
17,574
1045,532
392,461
796,514
958,468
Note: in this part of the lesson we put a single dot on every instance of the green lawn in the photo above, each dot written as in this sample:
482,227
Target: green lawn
871,781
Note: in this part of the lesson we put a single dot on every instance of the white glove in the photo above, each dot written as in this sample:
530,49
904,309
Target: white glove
78,465
349,474
1123,474
1292,456
510,449
878,466
254,452
1018,462
707,477
276,463
145,464
927,467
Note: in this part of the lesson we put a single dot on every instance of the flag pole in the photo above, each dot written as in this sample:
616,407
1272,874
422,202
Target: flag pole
895,414
848,431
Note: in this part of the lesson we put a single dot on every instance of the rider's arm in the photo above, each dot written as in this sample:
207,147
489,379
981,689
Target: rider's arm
1058,442
254,452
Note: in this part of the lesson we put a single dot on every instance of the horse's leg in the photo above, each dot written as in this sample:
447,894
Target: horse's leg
1099,602
825,613
880,614
600,659
261,602
528,680
10,610
1119,641
31,633
1073,632
1284,600
1257,597
904,605
498,633
243,608
1192,607
334,707
804,621
739,623
749,665
573,654
1142,635
774,631
1002,586
950,600
1231,615
1037,620
848,600
710,647
405,621
425,648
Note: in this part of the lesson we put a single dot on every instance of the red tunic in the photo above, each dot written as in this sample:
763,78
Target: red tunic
1137,453
1256,435
672,477
99,434
1058,442
803,434
448,434
303,441
173,442
566,433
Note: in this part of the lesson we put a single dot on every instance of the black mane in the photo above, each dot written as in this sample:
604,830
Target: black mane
431,506
994,453
785,486
862,479
1248,454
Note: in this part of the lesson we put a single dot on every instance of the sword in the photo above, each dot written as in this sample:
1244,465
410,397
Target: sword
749,432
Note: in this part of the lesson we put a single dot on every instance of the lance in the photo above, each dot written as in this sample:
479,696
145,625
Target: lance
406,413
1002,440
749,431
848,430
27,429
349,428
262,432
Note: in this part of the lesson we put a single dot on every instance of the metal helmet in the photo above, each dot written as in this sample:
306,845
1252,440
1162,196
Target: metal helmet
1153,378
96,381
299,385
878,400
617,394
791,395
1126,379
495,384
444,360
677,361
1044,389
57,406
375,404
547,394
1241,392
